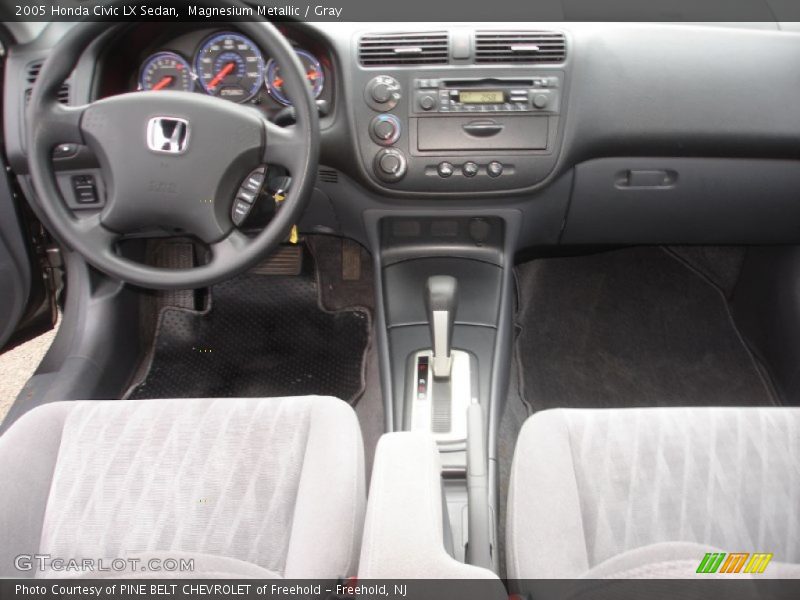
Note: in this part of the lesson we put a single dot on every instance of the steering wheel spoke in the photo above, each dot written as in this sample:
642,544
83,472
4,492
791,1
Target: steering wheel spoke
230,247
92,231
285,146
62,125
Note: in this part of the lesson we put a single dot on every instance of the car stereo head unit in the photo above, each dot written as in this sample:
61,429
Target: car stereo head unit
482,95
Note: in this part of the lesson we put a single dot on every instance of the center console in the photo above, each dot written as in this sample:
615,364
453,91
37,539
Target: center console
445,291
459,129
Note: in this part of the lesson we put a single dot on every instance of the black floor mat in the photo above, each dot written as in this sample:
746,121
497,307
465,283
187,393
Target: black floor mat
631,327
262,336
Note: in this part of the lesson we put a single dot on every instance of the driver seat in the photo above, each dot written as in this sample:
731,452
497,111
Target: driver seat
246,487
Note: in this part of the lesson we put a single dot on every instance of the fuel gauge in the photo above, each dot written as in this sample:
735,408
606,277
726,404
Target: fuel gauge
314,75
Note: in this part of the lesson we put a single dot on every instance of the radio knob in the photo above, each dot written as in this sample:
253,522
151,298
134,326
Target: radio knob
382,92
385,129
427,102
541,100
390,165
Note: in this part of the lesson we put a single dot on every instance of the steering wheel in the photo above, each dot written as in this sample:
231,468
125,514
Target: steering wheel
171,160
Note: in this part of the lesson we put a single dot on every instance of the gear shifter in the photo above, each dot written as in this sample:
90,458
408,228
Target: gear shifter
441,300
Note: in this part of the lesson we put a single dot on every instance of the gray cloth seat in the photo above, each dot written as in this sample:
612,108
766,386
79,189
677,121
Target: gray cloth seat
244,487
646,492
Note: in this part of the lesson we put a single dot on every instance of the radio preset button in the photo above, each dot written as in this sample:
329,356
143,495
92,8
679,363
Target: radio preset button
445,169
469,169
494,169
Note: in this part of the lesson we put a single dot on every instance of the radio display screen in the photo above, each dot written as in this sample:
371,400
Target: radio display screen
481,97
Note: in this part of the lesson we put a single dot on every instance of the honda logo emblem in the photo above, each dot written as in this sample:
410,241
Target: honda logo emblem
168,135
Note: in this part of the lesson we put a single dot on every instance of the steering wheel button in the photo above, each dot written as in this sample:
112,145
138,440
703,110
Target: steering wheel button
254,183
86,196
65,151
240,211
243,194
84,188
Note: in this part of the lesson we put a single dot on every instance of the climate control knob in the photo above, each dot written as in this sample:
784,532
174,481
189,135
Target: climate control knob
382,92
385,129
390,165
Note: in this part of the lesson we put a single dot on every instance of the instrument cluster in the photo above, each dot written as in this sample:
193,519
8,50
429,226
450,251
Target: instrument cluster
228,65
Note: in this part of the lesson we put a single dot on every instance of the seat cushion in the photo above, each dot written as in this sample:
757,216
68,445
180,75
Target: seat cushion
277,483
590,485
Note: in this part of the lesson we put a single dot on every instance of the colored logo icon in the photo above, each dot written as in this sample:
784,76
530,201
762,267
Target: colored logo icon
736,562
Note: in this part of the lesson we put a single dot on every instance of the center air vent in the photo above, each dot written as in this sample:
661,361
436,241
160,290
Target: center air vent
30,79
520,47
392,49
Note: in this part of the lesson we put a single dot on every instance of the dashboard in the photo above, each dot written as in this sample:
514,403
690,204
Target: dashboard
592,132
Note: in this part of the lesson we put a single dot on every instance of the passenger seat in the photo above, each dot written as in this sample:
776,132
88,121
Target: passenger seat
646,493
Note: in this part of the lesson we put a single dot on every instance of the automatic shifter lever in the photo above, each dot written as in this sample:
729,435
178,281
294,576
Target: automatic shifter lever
441,300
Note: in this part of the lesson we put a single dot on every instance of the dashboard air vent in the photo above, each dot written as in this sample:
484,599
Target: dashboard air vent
328,176
520,47
30,79
33,73
398,49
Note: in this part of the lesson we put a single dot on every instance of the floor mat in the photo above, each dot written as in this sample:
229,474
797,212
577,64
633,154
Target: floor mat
261,336
631,327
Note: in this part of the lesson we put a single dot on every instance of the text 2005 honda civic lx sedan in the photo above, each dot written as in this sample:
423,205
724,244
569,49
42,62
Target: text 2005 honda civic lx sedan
410,302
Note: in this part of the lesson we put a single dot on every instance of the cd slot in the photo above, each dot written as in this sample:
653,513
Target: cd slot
485,83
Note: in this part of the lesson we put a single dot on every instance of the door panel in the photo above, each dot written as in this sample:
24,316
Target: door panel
26,308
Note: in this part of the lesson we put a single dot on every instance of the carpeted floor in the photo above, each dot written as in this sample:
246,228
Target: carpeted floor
262,335
631,327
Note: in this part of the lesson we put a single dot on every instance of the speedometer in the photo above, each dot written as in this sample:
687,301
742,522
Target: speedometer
312,69
230,66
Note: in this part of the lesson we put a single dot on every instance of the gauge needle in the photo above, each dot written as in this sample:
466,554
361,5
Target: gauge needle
165,81
226,70
311,75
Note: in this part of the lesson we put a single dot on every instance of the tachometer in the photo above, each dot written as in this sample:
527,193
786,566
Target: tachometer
314,75
230,66
166,71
